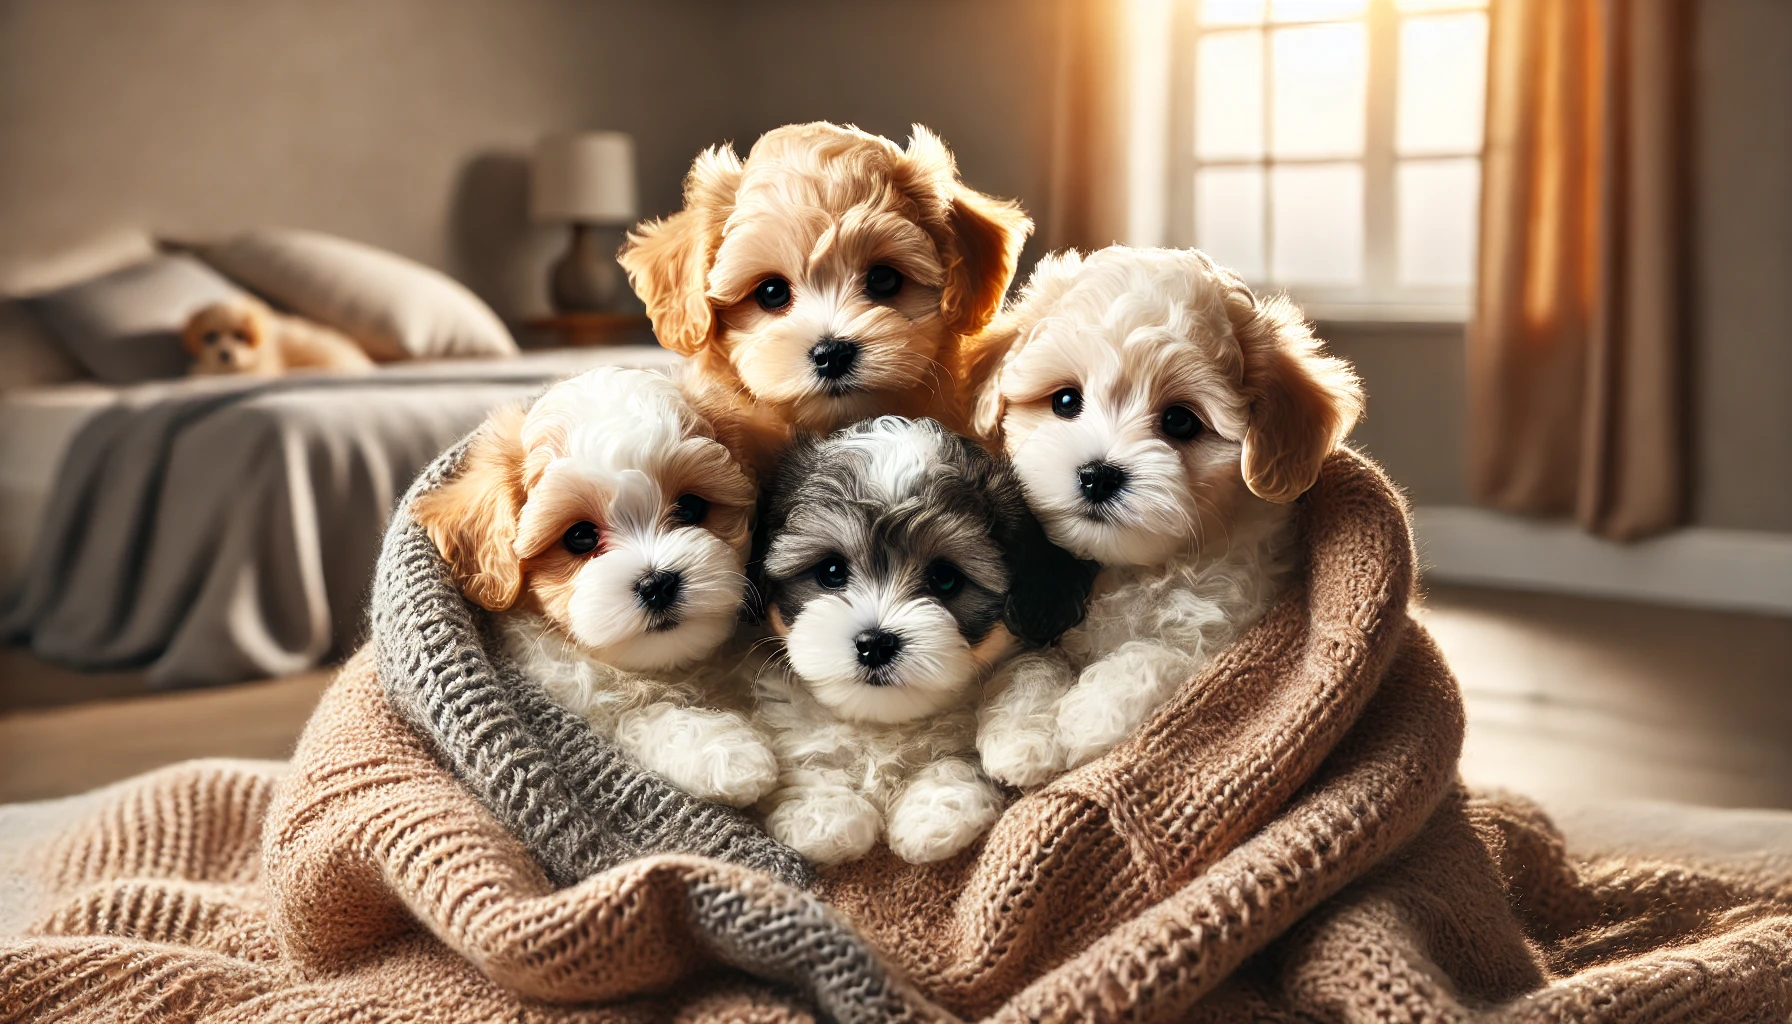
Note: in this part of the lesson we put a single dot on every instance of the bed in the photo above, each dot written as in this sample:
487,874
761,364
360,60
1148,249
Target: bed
208,531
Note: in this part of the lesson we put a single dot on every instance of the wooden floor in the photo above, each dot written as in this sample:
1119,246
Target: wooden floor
51,747
1567,699
1582,699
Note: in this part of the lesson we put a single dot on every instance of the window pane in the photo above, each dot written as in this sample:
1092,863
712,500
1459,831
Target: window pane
1443,76
1440,203
1316,10
1232,12
1229,217
1319,99
1229,96
1318,223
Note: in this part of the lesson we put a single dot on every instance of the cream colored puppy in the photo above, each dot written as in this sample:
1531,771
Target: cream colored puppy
245,336
1161,419
830,276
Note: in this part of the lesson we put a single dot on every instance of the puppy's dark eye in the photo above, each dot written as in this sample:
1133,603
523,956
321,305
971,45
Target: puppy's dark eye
212,337
689,510
883,282
944,579
831,573
580,538
772,294
1180,424
1067,403
239,335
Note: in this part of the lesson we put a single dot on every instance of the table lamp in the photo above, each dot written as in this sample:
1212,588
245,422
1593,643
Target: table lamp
586,179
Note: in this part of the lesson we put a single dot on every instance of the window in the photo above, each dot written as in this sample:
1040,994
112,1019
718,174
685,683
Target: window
1332,147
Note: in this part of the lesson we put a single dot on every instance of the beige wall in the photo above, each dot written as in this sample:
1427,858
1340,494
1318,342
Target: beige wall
975,71
399,122
1414,424
1742,372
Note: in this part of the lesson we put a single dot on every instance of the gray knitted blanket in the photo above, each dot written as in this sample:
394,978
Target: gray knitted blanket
576,802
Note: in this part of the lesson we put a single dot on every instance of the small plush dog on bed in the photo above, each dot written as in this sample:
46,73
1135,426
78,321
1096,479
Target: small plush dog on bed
245,336
829,277
608,530
900,564
1161,419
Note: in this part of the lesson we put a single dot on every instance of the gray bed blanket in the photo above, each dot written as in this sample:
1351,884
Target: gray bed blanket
213,531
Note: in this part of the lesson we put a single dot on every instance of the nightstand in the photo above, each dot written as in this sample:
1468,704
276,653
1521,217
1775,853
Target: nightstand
595,328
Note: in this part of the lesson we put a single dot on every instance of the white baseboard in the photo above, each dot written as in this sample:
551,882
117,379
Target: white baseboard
1698,567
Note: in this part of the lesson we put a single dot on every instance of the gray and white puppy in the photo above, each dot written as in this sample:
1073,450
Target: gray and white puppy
900,564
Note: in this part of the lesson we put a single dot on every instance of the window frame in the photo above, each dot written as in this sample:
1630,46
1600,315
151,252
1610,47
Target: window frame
1381,296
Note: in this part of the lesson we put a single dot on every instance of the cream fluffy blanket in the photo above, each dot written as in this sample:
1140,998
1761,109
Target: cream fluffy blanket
1285,841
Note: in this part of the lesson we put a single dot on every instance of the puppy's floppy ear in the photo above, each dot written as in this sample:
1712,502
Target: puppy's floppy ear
982,239
668,260
755,436
472,519
1303,401
1048,587
258,322
192,336
980,370
984,357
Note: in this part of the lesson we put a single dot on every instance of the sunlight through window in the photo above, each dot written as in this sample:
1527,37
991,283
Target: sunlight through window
1333,146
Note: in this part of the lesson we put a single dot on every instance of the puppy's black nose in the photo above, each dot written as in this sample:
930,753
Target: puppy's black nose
1100,481
223,355
877,647
658,590
834,357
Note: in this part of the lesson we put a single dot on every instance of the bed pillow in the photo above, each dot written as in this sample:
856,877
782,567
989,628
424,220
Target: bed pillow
125,326
30,355
395,308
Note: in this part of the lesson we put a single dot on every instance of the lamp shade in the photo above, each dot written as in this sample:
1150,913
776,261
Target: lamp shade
588,177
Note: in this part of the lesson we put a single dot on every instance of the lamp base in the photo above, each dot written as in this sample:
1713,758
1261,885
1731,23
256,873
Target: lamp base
586,278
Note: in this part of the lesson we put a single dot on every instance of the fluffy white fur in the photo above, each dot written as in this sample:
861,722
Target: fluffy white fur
931,675
1198,540
621,452
694,731
1149,630
847,782
886,749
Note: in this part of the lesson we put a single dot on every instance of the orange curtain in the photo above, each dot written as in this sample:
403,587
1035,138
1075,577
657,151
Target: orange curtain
1577,379
1085,202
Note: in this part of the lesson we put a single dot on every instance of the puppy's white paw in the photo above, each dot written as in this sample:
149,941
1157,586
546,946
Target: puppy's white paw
826,824
710,754
1109,700
1022,755
942,811
1017,723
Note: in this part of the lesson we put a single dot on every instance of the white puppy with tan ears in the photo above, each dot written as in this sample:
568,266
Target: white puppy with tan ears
900,565
1161,420
608,529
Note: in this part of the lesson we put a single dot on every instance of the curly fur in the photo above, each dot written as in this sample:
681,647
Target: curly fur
692,729
1196,540
246,336
617,453
817,206
871,748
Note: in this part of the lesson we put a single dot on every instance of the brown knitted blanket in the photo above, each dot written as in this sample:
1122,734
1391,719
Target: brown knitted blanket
1285,842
